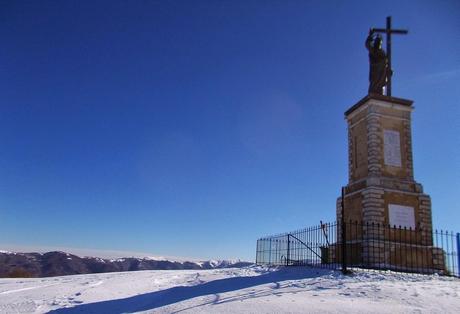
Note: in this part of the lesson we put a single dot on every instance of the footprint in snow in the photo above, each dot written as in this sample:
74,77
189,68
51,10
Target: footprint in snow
345,294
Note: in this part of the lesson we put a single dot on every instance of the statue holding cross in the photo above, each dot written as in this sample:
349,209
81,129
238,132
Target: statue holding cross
380,71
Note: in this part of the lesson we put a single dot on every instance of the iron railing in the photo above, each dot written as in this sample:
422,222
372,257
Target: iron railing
366,246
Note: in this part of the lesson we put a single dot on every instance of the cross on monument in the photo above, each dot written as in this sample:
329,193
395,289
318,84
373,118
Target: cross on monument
388,31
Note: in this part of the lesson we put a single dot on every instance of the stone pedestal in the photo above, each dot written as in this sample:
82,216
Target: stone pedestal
381,187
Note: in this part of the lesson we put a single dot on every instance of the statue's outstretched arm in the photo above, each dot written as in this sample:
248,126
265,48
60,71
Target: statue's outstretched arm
369,39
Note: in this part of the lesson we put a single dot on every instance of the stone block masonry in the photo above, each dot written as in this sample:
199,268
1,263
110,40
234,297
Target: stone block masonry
381,189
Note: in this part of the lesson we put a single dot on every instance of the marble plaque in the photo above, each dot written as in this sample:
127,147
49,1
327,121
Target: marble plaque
401,216
392,148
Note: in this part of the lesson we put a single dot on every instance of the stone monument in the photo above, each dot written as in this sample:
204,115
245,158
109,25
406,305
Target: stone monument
381,187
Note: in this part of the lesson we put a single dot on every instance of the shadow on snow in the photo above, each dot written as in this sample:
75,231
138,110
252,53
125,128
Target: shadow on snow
156,299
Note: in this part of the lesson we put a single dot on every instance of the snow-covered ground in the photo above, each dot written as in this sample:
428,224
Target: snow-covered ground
243,290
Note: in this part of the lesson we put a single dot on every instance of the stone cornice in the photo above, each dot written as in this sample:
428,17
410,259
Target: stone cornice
404,104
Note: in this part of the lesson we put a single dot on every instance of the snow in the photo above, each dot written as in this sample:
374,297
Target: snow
213,263
232,290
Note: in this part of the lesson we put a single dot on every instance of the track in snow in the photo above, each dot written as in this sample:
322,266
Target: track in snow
250,289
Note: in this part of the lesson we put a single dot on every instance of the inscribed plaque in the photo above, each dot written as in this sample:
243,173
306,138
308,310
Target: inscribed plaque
401,216
392,148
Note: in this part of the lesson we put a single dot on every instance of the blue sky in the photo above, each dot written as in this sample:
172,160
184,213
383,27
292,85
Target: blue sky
193,128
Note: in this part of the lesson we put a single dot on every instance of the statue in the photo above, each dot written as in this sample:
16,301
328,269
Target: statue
379,71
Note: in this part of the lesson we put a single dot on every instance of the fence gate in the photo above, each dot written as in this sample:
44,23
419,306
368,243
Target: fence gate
309,246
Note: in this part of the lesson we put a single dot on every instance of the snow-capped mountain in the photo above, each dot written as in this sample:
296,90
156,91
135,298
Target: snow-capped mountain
58,263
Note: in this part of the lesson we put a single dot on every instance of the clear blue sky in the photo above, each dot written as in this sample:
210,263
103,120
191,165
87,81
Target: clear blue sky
191,128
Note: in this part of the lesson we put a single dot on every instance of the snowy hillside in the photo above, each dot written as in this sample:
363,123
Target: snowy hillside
241,290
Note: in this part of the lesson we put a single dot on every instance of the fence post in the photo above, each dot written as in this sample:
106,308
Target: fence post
458,254
344,235
287,254
270,253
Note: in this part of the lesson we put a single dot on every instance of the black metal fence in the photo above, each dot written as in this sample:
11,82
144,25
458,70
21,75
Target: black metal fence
365,245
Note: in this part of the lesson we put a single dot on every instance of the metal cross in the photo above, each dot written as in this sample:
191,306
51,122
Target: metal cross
388,31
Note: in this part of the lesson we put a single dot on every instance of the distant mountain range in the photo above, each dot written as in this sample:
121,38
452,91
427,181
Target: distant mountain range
60,263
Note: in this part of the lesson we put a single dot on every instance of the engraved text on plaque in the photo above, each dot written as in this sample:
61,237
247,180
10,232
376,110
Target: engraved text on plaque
401,216
392,148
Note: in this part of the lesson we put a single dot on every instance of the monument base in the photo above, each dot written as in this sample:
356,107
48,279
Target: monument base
387,214
390,255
